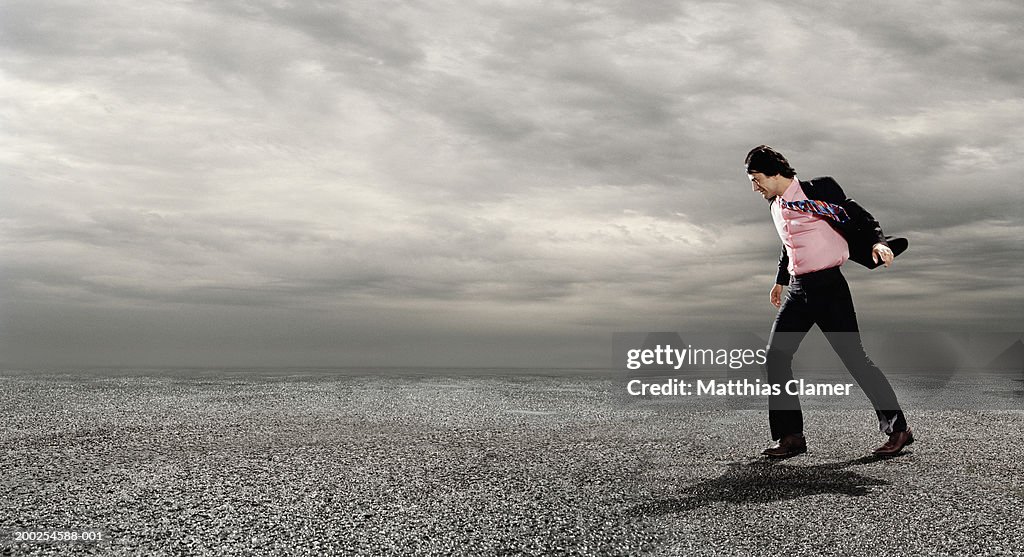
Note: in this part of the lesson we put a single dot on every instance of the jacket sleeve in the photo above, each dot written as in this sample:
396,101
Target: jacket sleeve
782,277
865,224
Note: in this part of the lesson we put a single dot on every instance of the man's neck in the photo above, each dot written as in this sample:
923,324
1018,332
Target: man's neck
781,184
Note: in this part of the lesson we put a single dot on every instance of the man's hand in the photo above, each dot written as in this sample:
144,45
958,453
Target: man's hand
881,252
776,296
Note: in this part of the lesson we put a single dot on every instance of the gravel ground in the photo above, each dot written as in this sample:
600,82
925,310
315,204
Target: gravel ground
313,464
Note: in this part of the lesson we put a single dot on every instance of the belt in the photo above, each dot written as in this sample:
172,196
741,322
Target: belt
815,277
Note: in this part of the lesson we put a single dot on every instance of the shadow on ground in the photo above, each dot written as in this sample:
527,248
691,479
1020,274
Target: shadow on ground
1015,393
763,481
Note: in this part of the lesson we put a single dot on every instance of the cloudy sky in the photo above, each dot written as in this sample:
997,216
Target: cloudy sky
483,183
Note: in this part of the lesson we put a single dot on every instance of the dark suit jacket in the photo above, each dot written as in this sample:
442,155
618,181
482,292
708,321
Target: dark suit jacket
861,231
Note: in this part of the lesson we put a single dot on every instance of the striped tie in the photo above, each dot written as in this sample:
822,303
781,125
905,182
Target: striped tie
814,206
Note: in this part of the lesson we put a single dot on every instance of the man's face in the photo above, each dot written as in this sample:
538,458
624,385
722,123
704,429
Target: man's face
762,184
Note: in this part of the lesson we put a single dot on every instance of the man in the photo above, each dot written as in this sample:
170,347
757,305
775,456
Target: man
820,229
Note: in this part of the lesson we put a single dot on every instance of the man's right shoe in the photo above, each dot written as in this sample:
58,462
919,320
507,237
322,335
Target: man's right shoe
790,445
897,440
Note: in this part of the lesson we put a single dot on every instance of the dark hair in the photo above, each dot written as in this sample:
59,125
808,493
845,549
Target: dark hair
768,161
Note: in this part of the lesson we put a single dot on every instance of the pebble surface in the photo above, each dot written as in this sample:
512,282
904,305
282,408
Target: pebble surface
419,464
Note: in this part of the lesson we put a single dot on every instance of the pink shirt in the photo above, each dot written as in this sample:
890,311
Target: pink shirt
812,244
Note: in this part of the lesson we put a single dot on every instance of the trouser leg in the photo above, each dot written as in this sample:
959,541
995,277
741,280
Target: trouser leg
838,320
791,325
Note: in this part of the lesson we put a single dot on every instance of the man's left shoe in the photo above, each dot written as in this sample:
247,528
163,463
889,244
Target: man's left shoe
897,440
789,445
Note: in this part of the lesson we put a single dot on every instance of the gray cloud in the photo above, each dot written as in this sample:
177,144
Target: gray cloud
474,184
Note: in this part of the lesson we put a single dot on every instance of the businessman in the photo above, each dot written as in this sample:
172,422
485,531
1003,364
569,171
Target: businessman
820,229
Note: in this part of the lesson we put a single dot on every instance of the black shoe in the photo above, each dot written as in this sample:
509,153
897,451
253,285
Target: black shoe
790,445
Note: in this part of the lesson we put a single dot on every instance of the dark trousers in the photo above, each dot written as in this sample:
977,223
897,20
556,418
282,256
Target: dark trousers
823,298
